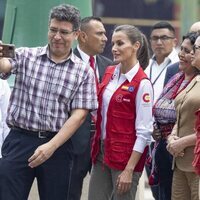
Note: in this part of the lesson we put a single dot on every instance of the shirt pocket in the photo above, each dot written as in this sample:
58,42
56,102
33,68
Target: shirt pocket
122,123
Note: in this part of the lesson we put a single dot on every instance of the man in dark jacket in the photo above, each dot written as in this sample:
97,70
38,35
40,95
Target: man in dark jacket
91,43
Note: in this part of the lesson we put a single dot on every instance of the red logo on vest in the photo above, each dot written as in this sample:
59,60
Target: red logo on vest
119,98
146,97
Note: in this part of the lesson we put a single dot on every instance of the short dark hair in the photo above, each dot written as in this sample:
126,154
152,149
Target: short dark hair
68,13
192,36
86,20
163,24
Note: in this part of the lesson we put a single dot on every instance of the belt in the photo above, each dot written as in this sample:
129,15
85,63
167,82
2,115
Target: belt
38,134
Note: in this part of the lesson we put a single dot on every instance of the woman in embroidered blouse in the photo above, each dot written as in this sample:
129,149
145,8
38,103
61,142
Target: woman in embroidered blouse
182,139
165,115
124,119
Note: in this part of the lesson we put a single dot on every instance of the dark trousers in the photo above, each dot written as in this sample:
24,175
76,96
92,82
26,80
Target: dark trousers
81,166
16,177
165,190
154,189
163,160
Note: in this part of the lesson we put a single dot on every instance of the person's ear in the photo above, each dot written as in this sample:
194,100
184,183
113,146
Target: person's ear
136,45
82,36
175,42
77,33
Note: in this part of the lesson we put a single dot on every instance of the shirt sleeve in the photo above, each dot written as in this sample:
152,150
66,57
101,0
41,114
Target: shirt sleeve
15,62
144,118
86,95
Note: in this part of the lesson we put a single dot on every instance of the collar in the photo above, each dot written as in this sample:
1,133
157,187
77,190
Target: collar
130,74
172,57
45,51
85,57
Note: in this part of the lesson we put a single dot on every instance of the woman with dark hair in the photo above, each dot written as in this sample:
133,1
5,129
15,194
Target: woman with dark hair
124,119
165,115
181,141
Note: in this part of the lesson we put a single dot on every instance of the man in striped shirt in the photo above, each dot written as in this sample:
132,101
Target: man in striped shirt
53,92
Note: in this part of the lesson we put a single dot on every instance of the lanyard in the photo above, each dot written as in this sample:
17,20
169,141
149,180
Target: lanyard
153,83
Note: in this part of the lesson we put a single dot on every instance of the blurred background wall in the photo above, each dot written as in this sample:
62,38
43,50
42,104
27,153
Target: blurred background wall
25,22
145,13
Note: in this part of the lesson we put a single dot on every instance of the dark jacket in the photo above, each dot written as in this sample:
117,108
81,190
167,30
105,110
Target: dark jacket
82,138
171,71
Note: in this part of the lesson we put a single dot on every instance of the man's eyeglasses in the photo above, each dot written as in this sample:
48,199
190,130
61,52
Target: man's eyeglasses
195,47
54,31
163,38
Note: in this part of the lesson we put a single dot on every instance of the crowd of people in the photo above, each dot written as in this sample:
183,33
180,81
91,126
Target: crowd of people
74,111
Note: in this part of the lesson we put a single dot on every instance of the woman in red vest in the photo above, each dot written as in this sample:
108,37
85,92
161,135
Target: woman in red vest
124,119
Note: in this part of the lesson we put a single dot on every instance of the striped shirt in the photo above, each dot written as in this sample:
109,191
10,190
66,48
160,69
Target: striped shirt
46,92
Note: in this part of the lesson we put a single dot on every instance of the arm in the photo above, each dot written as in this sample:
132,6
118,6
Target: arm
176,146
84,100
144,128
173,136
77,117
45,151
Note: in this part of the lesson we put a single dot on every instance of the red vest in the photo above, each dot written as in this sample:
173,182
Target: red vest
120,126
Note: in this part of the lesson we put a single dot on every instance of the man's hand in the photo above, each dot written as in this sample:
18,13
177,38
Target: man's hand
5,65
41,154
